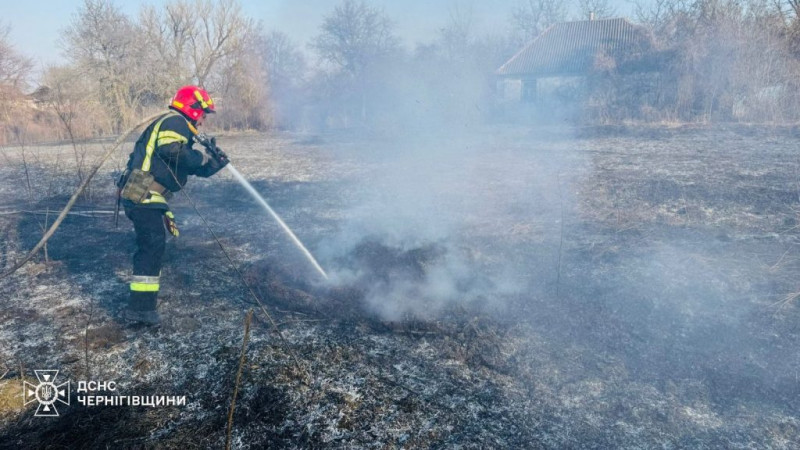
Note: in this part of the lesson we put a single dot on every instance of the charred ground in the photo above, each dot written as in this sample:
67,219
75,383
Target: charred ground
594,288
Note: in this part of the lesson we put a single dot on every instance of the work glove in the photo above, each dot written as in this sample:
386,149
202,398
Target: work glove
221,157
169,222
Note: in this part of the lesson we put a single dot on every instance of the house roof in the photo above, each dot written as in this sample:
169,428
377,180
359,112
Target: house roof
575,48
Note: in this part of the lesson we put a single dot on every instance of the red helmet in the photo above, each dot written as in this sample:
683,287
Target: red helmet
192,101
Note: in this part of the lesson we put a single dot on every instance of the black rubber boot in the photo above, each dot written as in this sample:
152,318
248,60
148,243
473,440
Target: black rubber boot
142,308
149,318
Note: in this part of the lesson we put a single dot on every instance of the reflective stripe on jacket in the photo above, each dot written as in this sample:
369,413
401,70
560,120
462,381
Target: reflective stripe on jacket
165,150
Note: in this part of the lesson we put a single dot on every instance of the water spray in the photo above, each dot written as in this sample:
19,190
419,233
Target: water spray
210,143
277,218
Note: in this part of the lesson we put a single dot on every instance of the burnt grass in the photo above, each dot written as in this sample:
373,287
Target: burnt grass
652,303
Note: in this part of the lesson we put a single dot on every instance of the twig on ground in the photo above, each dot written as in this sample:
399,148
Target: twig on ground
789,229
247,321
419,333
786,300
280,324
86,341
27,175
622,230
290,312
44,228
561,237
775,266
91,214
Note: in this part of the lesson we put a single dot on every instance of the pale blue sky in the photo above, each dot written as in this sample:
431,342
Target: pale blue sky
35,25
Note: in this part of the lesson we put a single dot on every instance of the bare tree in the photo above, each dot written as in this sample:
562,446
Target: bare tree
461,45
355,36
221,32
457,37
658,14
356,39
100,43
598,9
14,72
530,18
193,42
136,64
789,10
245,88
14,68
790,13
64,97
166,34
725,59
286,68
284,61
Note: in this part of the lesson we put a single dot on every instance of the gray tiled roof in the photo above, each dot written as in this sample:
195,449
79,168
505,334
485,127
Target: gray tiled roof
573,48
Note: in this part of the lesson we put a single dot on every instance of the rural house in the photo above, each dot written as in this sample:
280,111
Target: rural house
569,58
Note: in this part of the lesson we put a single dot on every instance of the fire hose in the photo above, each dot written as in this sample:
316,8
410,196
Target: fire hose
210,144
74,198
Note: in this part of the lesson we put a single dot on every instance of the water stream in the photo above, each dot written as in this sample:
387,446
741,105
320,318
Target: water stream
277,218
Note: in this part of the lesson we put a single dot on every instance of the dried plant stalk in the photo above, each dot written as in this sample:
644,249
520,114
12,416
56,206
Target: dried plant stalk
247,321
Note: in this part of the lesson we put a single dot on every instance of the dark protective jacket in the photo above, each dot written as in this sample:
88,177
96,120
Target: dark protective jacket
171,158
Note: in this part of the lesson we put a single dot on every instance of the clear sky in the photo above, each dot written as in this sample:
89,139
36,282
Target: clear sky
36,25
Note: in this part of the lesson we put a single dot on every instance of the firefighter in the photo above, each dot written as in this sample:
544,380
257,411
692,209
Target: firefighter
159,166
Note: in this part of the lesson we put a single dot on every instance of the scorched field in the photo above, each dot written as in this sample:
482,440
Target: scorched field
496,288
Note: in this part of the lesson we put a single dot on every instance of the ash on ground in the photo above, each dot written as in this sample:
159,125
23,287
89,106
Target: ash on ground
657,306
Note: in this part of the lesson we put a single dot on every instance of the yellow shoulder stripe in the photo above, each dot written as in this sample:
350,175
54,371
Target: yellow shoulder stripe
151,143
168,137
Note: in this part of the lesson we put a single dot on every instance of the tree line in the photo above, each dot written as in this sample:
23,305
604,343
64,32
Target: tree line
718,60
725,60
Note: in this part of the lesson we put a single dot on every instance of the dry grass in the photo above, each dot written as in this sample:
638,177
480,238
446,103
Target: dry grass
11,403
787,301
669,252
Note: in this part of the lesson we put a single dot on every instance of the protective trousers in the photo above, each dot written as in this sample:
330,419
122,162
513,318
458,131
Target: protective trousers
148,223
